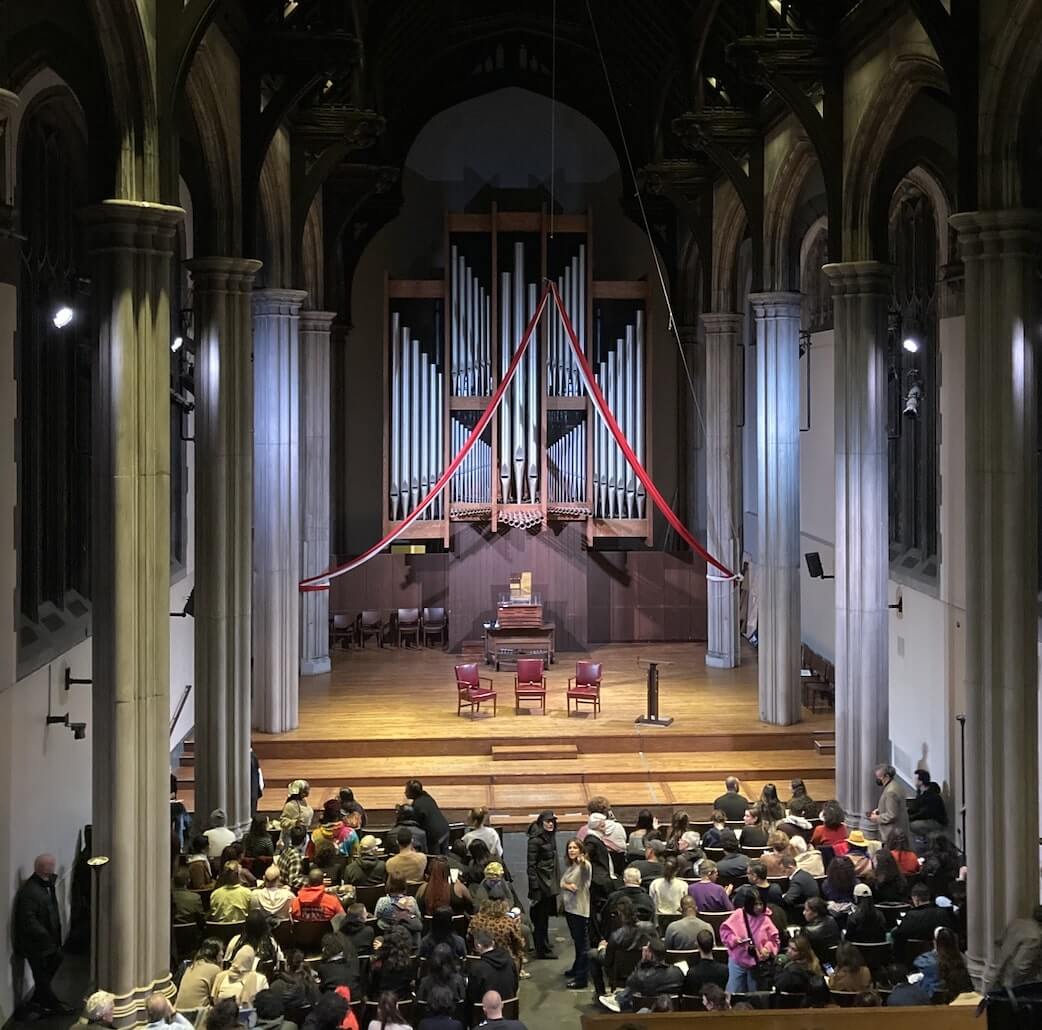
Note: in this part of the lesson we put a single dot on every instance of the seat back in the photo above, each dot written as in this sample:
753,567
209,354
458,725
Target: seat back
433,618
341,620
308,935
467,675
876,956
689,956
588,674
408,618
224,931
715,920
530,672
370,894
372,618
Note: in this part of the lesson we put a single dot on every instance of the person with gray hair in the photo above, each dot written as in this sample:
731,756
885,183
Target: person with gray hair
160,1014
99,1010
632,890
891,813
36,934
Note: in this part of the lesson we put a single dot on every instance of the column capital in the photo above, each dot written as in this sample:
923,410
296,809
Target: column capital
777,304
224,273
273,301
859,278
131,225
317,321
722,322
986,234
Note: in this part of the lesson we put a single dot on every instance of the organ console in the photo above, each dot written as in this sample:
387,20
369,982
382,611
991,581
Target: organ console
547,456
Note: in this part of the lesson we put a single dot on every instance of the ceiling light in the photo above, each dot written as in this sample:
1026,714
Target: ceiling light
177,343
911,344
62,317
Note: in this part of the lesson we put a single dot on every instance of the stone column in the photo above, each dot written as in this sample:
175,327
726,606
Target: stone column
778,490
1000,250
315,327
131,244
224,524
723,509
276,508
861,296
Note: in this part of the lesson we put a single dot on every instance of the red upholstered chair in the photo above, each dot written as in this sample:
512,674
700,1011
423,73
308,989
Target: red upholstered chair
529,682
469,689
585,686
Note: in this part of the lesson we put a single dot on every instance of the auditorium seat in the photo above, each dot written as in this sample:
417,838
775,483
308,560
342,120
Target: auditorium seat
341,630
530,683
435,624
586,688
371,624
408,622
469,689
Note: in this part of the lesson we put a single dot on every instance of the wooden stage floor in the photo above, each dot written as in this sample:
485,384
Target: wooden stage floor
383,715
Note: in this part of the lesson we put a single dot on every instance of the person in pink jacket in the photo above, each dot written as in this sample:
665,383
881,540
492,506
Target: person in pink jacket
751,938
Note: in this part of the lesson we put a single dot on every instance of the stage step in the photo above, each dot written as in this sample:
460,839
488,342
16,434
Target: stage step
533,752
825,747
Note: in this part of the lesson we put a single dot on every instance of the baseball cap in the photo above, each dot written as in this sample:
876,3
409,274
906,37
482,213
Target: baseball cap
658,846
368,844
862,890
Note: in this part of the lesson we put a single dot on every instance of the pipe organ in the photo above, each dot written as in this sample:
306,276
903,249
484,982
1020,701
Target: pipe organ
546,456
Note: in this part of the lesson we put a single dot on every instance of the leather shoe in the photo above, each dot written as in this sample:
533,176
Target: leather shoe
574,985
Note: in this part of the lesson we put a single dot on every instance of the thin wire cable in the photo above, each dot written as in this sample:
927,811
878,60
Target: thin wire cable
553,113
672,325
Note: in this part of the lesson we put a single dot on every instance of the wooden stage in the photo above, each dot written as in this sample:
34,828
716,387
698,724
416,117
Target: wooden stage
383,715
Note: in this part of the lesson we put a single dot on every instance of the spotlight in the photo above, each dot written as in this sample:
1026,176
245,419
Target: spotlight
62,317
911,344
177,343
814,566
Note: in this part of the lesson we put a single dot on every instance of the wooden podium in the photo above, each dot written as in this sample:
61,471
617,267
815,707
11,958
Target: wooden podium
652,718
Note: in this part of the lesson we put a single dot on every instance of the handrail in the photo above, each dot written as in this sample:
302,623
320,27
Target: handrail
180,707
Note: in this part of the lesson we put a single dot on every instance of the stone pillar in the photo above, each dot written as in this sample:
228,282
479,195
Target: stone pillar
778,490
224,523
315,327
276,508
1000,250
723,508
131,244
861,297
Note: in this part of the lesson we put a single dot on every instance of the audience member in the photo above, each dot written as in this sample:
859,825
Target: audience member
291,858
770,893
650,866
393,967
576,882
851,973
271,1012
832,832
907,860
902,992
235,852
706,970
708,894
734,866
480,829
440,890
769,809
366,868
355,930
256,932
865,925
633,892
927,813
751,940
99,1011
808,859
494,970
544,877
397,905
608,829
802,885
818,995
820,927
778,842
442,971
731,802
682,934
240,981
313,902
1019,959
218,837
441,1011
296,984
800,967
339,965
869,999
329,860
479,859
941,862
257,842
668,890
678,827
186,905
801,803
503,925
388,1015
223,1016
349,806
328,1013
943,968
923,918
646,822
714,998
442,931
838,888
492,1004
196,988
410,863
230,901
332,830
200,872
429,816
890,886
161,1015
272,898
891,812
37,934
607,957
652,976
717,830
296,811
857,852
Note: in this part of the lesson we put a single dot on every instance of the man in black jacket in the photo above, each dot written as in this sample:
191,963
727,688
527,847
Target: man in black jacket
429,816
633,892
650,866
37,933
652,976
494,971
802,886
544,880
924,917
732,804
927,813
706,970
611,955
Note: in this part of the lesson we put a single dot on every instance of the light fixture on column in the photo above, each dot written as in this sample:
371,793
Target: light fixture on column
66,301
911,343
183,333
913,398
899,607
62,316
189,608
78,729
96,863
814,566
70,679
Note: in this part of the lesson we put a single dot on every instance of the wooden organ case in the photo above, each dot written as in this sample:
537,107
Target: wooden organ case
546,456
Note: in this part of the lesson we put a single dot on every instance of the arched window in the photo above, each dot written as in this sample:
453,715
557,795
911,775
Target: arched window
53,373
912,393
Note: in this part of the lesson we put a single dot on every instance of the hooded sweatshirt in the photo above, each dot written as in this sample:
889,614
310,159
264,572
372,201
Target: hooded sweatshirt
366,870
339,834
604,826
240,982
314,904
494,971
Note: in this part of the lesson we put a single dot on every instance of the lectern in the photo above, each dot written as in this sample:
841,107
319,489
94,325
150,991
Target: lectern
652,718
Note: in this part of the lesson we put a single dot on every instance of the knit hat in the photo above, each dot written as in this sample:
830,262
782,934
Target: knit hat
857,838
218,817
493,869
862,890
369,844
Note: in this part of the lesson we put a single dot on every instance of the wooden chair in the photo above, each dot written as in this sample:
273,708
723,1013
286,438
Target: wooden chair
186,940
529,682
788,1000
341,630
585,687
370,894
224,931
844,999
408,625
876,956
664,921
691,1003
908,951
307,936
715,920
469,690
893,912
511,1010
371,624
435,624
689,956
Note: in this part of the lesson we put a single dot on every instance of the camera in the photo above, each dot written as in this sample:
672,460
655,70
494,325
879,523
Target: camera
79,730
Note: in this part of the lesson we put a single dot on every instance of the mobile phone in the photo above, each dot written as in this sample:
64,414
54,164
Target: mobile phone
829,970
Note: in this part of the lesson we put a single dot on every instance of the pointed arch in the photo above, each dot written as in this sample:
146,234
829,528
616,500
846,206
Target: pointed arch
729,229
781,272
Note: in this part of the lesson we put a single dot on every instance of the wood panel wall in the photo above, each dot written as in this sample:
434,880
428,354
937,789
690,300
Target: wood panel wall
593,597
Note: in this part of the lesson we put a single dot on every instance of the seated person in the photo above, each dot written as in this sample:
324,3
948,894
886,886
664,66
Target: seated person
200,875
865,925
802,886
753,833
257,842
339,965
271,897
799,968
650,866
770,893
354,929
651,978
291,858
442,971
706,970
734,866
409,864
186,905
494,970
393,967
708,894
406,818
607,958
802,804
313,902
682,934
442,931
230,901
396,906
781,849
851,973
717,831
923,919
820,928
367,868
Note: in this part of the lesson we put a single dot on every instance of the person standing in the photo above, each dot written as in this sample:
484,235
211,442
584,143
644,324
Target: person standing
430,817
751,940
296,811
544,876
892,812
575,887
37,933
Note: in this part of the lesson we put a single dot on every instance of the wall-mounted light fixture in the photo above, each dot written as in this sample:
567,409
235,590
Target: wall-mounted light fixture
79,729
188,610
70,679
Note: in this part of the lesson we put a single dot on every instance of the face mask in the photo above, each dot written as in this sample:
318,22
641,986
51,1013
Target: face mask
879,782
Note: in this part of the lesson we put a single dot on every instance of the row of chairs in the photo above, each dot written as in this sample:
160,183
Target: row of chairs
817,678
412,1009
529,685
403,623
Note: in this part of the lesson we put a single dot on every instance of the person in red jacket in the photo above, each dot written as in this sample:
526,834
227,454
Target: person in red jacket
312,903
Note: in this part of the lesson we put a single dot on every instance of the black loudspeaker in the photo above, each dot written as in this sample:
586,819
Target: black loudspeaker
814,568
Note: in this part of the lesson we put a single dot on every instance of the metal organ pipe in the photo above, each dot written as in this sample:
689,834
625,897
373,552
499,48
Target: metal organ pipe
517,305
532,403
505,417
396,432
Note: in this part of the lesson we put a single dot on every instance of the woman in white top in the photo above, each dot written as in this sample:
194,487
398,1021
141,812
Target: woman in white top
480,830
240,982
575,885
668,890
